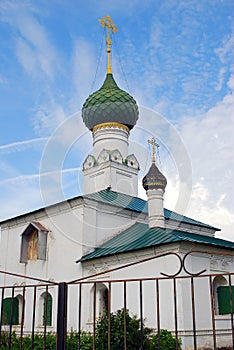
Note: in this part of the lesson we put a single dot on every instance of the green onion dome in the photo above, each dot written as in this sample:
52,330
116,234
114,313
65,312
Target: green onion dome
154,179
110,104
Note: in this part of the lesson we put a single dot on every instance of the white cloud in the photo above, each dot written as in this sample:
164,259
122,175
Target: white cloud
83,62
209,141
199,192
24,193
34,50
220,79
31,177
26,56
22,145
231,81
225,52
20,199
48,117
212,212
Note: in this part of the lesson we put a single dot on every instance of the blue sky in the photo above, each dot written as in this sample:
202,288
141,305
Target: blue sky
174,56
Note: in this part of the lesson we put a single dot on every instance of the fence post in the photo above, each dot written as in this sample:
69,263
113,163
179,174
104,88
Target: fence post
62,316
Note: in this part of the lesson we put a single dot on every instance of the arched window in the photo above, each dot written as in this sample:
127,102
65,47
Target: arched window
20,308
219,299
10,311
101,298
46,306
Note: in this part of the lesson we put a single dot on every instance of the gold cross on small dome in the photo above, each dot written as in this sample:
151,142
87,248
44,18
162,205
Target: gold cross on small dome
153,143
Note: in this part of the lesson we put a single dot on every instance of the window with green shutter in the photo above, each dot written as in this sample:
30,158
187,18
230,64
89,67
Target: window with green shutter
47,312
224,297
10,311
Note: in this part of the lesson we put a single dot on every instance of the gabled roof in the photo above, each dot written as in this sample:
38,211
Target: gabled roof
140,236
124,201
34,225
140,205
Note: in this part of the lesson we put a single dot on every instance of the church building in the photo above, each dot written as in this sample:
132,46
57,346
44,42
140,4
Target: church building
108,233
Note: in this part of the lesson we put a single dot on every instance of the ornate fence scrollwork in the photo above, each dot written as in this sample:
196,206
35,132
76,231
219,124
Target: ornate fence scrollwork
137,263
202,252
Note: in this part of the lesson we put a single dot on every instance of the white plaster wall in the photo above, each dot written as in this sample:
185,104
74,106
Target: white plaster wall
120,177
149,269
76,227
155,207
102,222
64,245
110,139
195,263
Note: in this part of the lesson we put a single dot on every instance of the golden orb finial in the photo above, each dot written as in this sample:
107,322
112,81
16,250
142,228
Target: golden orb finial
107,22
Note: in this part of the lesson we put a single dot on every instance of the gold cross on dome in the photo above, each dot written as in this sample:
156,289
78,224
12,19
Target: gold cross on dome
153,143
107,22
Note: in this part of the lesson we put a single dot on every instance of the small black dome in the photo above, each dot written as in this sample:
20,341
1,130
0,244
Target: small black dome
154,179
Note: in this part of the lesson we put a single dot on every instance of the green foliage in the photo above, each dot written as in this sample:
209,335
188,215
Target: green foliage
27,342
134,338
86,341
167,341
133,334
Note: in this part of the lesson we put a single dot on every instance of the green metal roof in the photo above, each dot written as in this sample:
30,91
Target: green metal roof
140,236
140,205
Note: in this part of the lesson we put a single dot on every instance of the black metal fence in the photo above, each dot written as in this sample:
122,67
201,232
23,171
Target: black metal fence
195,307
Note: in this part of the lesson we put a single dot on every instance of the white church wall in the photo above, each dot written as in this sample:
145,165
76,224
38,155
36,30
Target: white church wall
111,138
125,180
64,245
102,222
76,227
121,178
146,270
194,263
10,255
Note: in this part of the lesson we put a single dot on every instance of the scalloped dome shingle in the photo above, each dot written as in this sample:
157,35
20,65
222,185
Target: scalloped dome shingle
110,104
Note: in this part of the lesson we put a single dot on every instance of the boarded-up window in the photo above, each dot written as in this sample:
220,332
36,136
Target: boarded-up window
33,243
10,311
225,293
42,245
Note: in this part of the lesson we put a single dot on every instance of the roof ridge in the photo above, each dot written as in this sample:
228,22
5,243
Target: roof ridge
142,206
140,236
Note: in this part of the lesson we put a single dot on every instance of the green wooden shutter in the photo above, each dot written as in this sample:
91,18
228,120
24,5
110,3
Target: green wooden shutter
8,308
224,300
47,313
